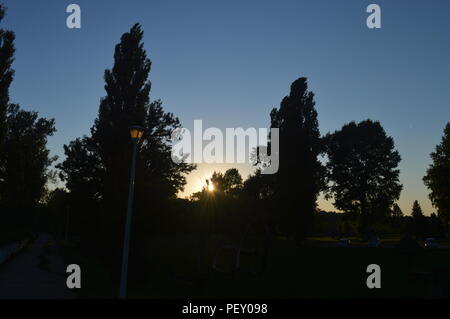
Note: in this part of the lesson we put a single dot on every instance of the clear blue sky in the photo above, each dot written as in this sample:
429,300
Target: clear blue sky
230,62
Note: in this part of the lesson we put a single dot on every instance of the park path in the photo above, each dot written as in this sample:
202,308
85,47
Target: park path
38,272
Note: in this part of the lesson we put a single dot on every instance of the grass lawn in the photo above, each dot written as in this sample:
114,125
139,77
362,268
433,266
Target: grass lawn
293,272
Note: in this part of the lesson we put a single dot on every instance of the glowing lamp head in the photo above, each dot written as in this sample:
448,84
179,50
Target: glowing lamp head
136,132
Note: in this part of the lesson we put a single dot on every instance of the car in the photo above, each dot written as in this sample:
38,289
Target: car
374,242
431,243
343,242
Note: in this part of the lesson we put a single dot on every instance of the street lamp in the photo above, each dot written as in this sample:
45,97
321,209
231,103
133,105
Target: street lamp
136,133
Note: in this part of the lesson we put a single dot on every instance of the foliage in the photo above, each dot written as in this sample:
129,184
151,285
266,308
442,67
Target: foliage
362,171
396,211
416,210
7,51
298,181
229,183
27,160
97,167
82,170
437,178
419,220
258,187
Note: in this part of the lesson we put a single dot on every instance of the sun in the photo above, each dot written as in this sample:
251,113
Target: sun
211,187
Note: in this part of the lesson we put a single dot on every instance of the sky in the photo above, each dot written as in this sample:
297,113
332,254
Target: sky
230,62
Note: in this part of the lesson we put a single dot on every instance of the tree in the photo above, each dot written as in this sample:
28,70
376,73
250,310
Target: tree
57,211
397,218
230,182
397,211
437,178
416,210
298,181
27,160
100,163
258,187
7,51
435,226
24,157
82,170
419,220
362,171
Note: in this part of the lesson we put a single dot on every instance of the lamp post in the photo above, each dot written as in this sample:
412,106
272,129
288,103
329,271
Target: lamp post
136,133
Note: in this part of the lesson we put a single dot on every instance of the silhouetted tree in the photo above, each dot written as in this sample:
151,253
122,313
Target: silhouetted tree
362,171
82,170
298,180
57,203
102,162
230,182
6,76
416,210
257,193
27,160
435,226
437,178
419,220
258,186
396,211
396,218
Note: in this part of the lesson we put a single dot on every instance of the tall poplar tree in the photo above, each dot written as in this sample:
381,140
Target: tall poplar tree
299,178
100,164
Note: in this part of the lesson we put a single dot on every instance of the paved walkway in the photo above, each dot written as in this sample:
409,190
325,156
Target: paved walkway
38,272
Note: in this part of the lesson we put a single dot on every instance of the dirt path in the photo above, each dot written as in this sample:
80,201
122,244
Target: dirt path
38,272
